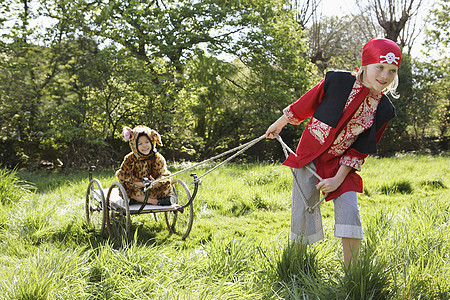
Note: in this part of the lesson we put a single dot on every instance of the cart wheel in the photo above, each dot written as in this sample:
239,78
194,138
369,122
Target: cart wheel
181,219
95,204
118,220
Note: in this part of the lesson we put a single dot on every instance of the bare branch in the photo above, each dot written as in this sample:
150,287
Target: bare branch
394,15
306,11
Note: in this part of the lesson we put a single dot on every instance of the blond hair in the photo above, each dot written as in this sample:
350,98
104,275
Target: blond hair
391,88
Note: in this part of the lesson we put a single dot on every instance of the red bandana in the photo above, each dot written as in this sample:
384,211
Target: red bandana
381,51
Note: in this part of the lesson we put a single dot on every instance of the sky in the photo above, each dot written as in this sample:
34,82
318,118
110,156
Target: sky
337,7
344,7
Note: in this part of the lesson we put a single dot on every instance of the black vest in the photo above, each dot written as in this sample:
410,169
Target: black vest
337,87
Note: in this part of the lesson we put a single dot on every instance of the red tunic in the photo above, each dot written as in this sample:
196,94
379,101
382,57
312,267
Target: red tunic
331,146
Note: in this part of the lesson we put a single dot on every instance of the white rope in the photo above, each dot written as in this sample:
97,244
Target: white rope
243,147
309,208
283,144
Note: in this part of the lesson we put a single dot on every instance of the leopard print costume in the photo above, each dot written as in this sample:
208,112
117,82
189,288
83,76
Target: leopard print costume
136,166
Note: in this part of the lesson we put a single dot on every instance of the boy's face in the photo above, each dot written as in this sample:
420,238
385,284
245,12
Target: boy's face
143,144
379,76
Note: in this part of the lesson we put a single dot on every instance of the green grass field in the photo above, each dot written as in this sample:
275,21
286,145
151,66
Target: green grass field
238,247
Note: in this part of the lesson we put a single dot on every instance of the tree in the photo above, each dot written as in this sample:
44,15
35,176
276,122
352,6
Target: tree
432,85
170,36
43,107
334,45
24,76
163,36
428,110
305,11
168,30
274,71
394,16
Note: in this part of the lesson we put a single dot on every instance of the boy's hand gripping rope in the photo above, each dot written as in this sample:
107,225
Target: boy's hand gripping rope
241,149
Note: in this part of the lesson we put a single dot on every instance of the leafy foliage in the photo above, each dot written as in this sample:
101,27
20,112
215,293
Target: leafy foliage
206,74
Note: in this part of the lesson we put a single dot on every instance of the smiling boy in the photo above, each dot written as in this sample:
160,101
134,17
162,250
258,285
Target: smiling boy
349,113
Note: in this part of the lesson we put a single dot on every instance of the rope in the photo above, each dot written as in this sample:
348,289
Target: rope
241,149
286,148
244,147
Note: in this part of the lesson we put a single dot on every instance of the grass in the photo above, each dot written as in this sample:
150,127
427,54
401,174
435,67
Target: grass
238,247
12,189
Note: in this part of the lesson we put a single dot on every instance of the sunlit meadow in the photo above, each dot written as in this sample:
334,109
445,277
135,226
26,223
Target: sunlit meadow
238,247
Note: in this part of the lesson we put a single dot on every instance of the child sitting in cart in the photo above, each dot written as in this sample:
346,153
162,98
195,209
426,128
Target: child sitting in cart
142,165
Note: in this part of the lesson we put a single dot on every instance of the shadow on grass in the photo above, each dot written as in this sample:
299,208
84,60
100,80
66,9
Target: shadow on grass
433,184
47,181
142,233
139,235
309,272
402,187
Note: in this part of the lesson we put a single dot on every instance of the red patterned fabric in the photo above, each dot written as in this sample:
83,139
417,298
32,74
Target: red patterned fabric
329,146
361,121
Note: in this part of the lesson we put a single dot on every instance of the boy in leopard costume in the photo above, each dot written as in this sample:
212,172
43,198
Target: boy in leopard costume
144,162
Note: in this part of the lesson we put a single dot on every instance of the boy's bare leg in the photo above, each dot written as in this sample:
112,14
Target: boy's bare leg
351,250
150,200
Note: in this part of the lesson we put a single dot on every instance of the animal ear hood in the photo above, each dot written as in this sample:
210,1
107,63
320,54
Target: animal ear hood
155,137
132,136
126,133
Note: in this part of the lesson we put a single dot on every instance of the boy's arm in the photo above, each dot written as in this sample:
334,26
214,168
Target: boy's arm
276,127
352,159
301,109
331,184
306,105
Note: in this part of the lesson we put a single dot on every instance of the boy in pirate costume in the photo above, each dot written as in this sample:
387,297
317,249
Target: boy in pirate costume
144,164
349,114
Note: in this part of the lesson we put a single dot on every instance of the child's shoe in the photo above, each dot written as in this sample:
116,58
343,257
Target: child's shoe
166,201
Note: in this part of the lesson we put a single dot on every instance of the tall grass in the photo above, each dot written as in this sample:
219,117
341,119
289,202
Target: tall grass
48,273
12,189
239,247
